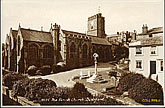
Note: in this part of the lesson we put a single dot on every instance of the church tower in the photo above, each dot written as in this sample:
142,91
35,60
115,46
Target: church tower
55,33
96,25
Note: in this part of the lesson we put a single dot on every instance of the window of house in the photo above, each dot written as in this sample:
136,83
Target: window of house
139,64
150,35
138,50
161,65
153,50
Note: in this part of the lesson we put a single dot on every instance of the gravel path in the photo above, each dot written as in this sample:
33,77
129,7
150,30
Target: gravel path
63,78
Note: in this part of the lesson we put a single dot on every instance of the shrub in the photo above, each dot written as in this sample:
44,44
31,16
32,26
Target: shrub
145,91
79,91
129,80
55,68
46,69
37,87
10,78
4,72
32,70
59,67
19,87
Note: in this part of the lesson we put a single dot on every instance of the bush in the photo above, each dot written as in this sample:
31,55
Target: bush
129,80
46,69
19,87
32,70
10,78
36,88
145,91
54,94
79,91
59,67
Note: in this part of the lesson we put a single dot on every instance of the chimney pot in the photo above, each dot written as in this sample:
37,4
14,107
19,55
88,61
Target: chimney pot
41,28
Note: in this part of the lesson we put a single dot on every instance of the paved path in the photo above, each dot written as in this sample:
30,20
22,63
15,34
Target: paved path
63,78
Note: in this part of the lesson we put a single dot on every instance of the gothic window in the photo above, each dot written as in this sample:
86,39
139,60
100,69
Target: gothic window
33,52
47,51
84,54
59,47
19,45
72,47
72,50
94,49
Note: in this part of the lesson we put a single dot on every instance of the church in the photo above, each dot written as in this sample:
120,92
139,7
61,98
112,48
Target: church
27,47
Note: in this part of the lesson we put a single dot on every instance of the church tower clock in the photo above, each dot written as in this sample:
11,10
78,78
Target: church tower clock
96,25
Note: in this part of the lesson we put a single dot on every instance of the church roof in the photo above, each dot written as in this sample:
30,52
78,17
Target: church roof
94,39
38,36
14,33
69,32
101,41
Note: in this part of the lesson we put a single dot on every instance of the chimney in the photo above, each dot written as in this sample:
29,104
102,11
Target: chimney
134,35
41,28
144,29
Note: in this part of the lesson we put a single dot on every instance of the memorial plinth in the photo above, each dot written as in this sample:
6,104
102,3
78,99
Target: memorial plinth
95,77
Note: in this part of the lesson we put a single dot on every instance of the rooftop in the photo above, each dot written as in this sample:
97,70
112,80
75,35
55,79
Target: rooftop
94,39
38,36
14,33
157,40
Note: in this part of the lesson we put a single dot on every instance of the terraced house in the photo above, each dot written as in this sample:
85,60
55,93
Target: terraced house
26,47
146,54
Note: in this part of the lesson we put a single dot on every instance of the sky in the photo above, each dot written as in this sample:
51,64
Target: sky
120,15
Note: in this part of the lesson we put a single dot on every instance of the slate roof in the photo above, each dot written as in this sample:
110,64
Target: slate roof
157,40
101,41
94,39
38,36
68,32
156,30
14,33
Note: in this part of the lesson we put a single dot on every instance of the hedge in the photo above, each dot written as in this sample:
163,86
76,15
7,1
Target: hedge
129,80
10,78
147,92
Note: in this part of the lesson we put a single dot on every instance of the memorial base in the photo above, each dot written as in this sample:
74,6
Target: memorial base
95,79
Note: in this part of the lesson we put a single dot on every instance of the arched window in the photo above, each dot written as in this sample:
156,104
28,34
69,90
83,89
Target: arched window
47,51
19,42
59,46
72,50
94,49
33,53
84,54
72,47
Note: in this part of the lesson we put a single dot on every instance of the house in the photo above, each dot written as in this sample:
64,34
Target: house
26,47
146,54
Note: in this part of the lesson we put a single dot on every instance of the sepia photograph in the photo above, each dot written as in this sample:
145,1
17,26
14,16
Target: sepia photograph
82,53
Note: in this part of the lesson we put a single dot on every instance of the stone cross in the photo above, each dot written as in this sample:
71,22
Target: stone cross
95,55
